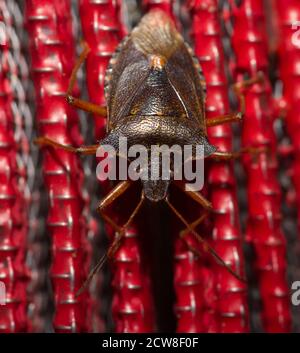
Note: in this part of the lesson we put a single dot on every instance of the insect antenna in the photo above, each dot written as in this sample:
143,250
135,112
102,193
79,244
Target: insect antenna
206,245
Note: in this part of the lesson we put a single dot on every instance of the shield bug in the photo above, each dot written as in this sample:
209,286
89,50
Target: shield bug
155,94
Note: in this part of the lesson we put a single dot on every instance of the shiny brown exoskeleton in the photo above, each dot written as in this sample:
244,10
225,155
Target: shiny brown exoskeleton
155,94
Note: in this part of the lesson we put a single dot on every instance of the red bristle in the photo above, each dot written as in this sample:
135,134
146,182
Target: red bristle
52,52
289,50
264,194
15,195
231,295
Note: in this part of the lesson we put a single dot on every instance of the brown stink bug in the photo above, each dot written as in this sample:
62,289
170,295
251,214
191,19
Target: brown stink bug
155,94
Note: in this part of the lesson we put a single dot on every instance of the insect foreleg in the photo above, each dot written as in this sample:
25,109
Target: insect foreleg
195,196
45,141
76,102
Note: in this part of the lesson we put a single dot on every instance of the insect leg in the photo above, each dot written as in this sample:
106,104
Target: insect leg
45,141
205,244
225,156
119,229
238,89
239,86
117,191
194,224
223,119
86,106
194,195
76,102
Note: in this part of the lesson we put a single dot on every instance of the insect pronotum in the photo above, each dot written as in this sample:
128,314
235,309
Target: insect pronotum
155,94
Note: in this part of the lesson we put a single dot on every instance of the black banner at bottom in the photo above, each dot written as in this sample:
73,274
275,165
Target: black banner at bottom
97,342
